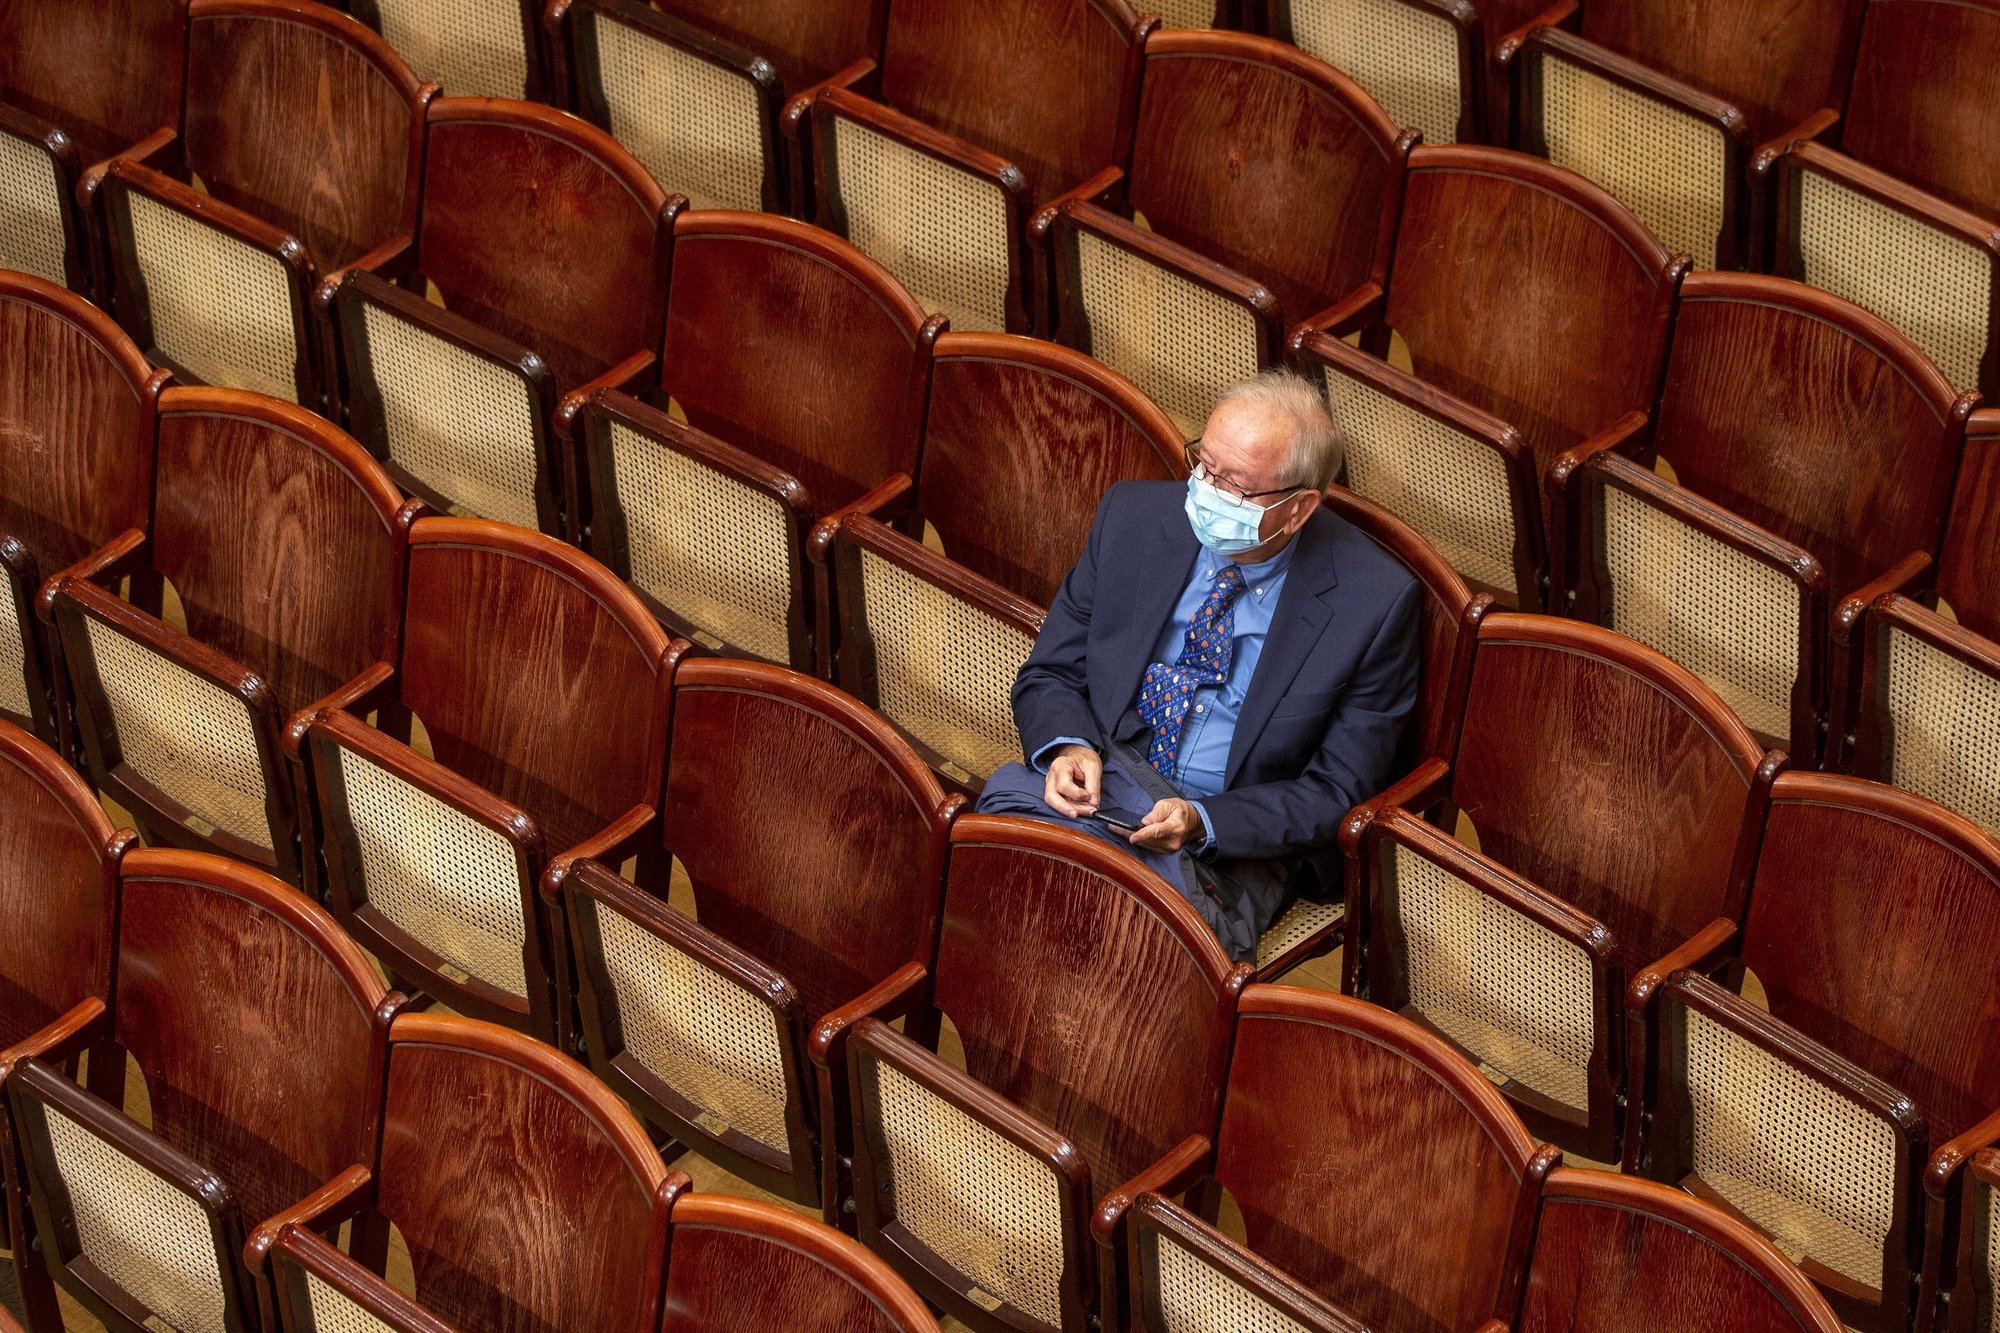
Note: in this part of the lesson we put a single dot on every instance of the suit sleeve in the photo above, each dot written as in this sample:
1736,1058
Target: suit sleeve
1052,691
1353,763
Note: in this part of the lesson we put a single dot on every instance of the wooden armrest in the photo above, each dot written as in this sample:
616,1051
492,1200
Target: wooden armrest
367,692
1941,1173
622,407
1413,393
915,134
157,636
247,228
1097,190
1418,790
348,732
1562,481
1701,953
914,557
801,105
1492,1326
323,1210
1554,16
611,846
362,285
1900,577
86,1023
1351,313
897,995
1812,127
124,554
1160,252
625,377
884,503
388,261
1174,1174
1983,424
159,150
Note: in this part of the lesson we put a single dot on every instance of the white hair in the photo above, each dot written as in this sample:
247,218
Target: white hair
1318,449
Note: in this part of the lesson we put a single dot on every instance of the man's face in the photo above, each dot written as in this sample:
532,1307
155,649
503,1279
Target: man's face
1244,451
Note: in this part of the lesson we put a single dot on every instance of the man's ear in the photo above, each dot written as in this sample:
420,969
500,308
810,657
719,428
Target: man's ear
1307,501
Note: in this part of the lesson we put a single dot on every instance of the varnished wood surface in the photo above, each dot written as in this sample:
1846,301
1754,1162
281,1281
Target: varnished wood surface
804,42
1925,97
301,116
1968,574
108,72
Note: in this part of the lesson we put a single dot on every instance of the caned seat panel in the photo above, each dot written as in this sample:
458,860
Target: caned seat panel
1515,995
1195,1298
942,231
1945,728
1180,342
475,48
1405,56
1937,289
1300,920
462,425
219,309
1731,620
945,669
693,123
1663,164
1812,1169
1992,1254
708,548
13,655
142,1233
333,1311
184,734
697,1031
981,1203
1448,486
443,878
1183,13
32,239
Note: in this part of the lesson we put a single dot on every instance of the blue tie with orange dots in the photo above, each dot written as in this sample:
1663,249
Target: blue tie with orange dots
1166,692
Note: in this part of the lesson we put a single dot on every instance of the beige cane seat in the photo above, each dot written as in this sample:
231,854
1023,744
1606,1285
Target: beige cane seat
941,230
1944,718
14,692
475,48
1196,1298
32,239
220,310
1184,13
1301,921
1405,55
694,123
334,1311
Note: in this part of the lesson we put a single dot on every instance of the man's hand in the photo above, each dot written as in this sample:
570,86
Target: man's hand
1168,825
1076,781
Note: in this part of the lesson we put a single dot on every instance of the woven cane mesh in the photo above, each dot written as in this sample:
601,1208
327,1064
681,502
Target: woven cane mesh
1808,1166
219,308
1183,13
980,1202
1731,620
475,48
1992,1257
1931,285
185,734
31,214
1195,1298
1514,994
713,551
1445,484
1663,164
1945,730
1180,342
146,1236
1403,55
447,880
460,424
939,229
694,124
1300,920
944,669
13,654
701,1034
334,1312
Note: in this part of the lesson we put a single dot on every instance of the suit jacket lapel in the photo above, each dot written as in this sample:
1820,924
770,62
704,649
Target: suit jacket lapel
1160,573
1304,607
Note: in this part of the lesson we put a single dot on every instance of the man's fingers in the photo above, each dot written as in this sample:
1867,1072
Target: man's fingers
1159,812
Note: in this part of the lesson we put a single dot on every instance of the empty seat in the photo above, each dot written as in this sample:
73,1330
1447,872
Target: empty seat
1413,1221
1535,309
541,685
1811,1114
545,291
709,524
259,1029
976,114
1813,450
1961,1283
1094,1010
80,81
76,469
814,843
1268,185
282,544
527,1195
1613,1253
1678,109
1924,97
302,128
475,48
1613,801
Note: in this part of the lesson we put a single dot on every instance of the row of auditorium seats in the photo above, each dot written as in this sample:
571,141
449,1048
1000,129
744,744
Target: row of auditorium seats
289,1092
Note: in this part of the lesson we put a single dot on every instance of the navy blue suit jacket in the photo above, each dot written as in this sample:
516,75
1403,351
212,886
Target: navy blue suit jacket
1326,707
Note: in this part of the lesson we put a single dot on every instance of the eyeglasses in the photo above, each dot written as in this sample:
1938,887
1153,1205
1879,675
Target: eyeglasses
1192,451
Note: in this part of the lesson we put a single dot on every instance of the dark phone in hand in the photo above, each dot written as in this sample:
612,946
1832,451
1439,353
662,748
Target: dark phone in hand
1125,821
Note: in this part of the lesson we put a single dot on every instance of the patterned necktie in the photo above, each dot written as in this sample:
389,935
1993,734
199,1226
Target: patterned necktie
1167,691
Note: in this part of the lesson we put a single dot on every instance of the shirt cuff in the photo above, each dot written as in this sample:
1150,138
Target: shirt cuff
1207,843
1040,759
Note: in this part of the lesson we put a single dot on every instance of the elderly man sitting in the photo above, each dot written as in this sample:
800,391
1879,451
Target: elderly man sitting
1225,672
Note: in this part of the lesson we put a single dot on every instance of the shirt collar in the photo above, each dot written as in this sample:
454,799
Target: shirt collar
1253,575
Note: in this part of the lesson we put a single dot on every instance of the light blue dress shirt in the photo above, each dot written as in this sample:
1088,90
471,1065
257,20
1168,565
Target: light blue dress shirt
1202,763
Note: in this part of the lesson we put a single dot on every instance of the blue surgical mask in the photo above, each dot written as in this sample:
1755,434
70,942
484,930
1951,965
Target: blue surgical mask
1224,523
